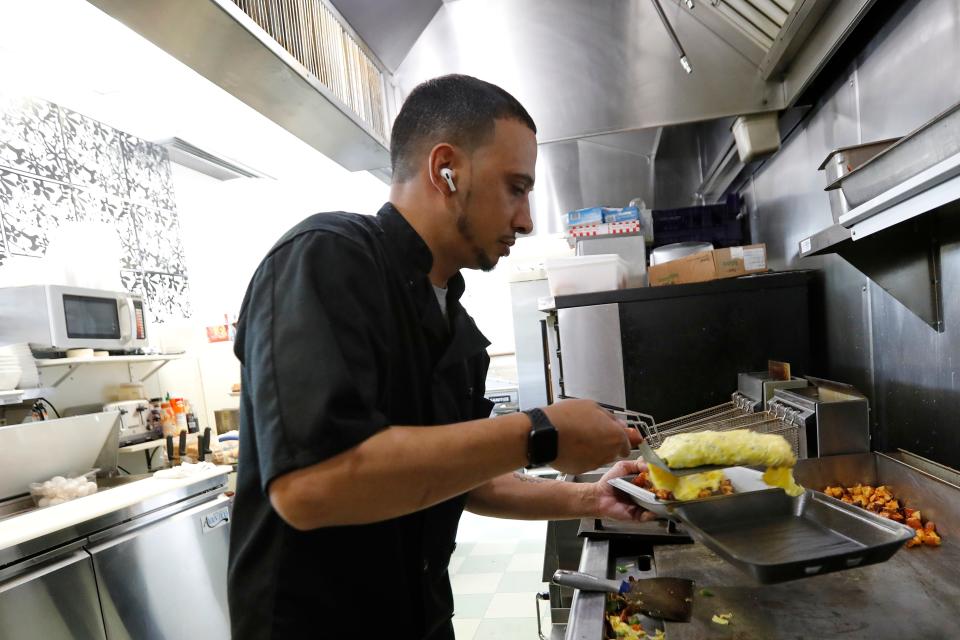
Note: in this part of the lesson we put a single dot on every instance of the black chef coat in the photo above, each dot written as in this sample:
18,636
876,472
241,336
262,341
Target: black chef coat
341,335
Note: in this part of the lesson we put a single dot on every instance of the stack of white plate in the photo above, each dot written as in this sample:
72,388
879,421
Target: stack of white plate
19,357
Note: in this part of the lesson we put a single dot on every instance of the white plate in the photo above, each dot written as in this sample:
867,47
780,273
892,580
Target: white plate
743,479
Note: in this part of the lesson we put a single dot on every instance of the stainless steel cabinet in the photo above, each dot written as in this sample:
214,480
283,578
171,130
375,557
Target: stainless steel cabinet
53,601
167,579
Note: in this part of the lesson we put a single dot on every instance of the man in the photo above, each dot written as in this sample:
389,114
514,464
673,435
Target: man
365,431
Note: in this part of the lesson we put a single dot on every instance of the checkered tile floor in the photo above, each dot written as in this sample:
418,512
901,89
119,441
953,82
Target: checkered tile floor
495,573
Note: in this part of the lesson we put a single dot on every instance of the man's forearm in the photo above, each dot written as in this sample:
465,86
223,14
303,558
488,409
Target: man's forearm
400,470
525,497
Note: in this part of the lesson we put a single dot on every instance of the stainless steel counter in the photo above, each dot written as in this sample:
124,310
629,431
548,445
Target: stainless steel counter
124,573
153,505
916,594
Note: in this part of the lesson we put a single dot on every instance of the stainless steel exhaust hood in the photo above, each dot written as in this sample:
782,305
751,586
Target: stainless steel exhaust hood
591,68
223,44
583,69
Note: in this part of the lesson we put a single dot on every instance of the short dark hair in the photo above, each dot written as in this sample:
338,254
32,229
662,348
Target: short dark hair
458,109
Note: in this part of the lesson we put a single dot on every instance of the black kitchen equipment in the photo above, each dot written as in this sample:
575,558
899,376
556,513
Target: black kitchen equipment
672,350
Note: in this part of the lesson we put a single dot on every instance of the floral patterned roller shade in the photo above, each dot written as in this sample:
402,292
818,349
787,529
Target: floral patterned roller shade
57,165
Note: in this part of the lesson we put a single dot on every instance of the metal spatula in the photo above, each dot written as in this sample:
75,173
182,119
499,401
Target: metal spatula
664,598
651,458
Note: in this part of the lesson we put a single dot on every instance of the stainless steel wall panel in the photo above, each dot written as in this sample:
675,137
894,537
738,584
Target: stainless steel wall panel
557,189
904,76
583,173
909,72
918,386
613,177
715,138
791,203
677,169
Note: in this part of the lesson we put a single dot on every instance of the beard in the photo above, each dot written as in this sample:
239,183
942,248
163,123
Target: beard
483,260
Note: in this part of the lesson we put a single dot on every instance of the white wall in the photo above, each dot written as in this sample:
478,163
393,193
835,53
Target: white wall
487,297
228,227
69,52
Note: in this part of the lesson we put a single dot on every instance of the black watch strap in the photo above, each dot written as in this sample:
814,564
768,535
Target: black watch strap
543,439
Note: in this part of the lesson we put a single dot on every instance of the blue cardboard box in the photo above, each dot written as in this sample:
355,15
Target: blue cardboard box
621,215
590,215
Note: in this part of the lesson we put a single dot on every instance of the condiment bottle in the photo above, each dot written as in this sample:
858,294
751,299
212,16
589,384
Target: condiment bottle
180,414
168,422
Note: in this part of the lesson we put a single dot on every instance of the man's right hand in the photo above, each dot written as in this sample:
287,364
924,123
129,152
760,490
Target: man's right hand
589,436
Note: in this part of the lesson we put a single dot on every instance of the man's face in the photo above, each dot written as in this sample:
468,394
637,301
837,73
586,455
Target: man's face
496,201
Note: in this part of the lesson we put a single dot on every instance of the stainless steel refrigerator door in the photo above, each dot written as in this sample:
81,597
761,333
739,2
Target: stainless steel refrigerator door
168,579
528,338
52,602
592,354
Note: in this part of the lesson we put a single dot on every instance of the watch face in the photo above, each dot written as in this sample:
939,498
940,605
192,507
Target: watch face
543,444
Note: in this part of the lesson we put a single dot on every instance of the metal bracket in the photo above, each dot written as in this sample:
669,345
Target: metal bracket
150,374
70,369
905,261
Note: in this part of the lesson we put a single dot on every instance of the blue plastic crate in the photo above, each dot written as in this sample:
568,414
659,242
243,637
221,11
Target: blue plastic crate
718,224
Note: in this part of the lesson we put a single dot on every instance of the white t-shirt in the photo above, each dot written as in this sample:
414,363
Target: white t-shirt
441,300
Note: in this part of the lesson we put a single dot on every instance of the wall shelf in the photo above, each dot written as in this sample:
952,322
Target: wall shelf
73,364
895,238
16,396
13,396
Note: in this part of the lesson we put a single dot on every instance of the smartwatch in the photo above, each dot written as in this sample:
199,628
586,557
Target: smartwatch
542,442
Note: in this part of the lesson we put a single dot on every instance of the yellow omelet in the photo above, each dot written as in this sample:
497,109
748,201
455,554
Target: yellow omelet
729,448
685,487
782,477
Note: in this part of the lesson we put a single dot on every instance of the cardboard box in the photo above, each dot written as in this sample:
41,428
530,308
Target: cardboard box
625,214
710,265
739,261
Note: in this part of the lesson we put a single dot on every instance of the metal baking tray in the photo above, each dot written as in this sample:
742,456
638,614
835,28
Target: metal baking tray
919,150
841,162
743,480
774,538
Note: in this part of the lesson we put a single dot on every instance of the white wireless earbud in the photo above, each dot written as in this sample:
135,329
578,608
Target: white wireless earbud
447,174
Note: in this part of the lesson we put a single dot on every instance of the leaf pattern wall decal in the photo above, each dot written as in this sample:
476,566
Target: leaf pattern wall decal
58,165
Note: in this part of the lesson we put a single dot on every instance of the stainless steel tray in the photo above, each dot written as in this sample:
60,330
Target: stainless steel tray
841,162
921,149
775,538
743,480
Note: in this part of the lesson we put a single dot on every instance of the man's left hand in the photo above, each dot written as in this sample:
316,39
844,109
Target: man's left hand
610,503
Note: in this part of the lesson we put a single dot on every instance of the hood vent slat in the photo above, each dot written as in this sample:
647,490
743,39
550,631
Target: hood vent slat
313,34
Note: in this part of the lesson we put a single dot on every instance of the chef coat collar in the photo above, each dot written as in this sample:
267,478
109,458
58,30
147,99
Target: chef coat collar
410,250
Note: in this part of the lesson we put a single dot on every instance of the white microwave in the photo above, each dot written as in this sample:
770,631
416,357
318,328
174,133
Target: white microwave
56,317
